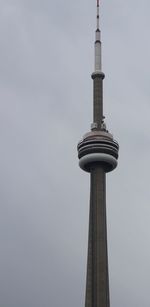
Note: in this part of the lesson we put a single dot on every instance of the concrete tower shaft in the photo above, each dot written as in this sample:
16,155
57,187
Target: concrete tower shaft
97,283
98,115
98,155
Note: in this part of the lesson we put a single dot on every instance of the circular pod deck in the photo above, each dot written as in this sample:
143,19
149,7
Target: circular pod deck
98,148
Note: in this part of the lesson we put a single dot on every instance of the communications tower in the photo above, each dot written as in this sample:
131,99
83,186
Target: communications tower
98,155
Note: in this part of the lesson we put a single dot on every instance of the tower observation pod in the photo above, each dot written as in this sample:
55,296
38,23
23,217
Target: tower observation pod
98,155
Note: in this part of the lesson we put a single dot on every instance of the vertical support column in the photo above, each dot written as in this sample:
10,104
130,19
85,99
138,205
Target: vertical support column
98,99
97,288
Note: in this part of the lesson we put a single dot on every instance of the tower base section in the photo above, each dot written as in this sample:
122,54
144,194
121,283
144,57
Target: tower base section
97,282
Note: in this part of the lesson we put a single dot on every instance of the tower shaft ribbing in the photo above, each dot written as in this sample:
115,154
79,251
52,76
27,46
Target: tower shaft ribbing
97,287
97,101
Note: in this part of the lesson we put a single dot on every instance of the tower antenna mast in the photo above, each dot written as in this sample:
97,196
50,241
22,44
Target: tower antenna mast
98,51
97,14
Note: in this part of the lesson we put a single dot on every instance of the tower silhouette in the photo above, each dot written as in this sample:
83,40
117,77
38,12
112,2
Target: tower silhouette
98,154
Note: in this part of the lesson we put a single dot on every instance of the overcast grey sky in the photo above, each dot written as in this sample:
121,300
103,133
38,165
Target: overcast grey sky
46,58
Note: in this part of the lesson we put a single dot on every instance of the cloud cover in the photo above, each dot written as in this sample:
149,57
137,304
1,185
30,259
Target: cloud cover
46,58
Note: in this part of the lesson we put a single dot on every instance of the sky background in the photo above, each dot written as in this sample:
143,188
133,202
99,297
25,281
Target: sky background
46,58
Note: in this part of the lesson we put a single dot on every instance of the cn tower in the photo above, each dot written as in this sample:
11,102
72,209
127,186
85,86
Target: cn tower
98,155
